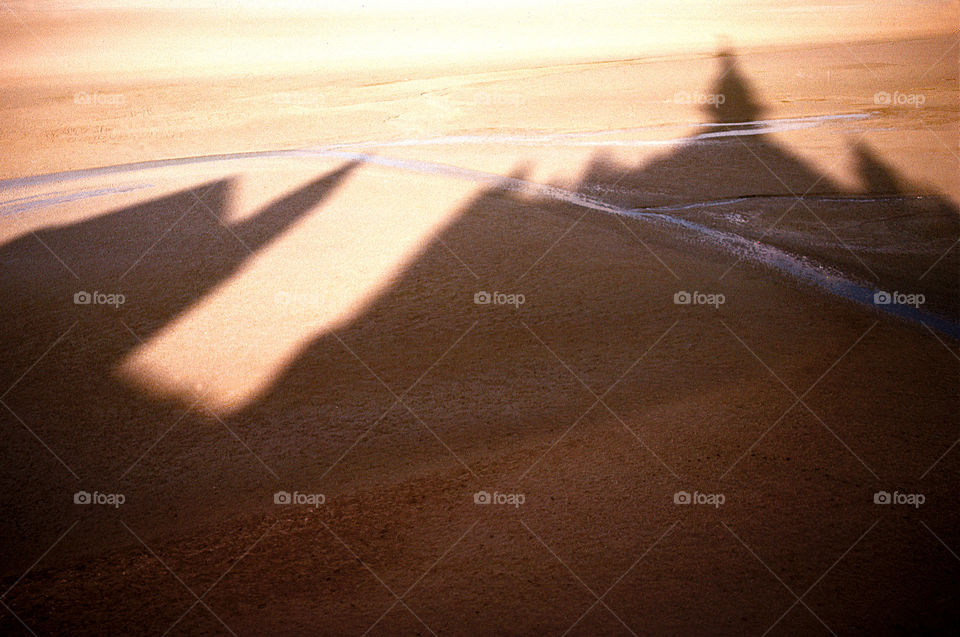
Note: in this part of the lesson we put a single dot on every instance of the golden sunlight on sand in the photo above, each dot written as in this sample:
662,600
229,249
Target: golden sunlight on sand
320,274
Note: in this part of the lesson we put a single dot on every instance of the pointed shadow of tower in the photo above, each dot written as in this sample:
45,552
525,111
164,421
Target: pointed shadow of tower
732,175
737,107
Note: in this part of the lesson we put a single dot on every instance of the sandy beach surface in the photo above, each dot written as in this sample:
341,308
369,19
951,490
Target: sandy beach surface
590,343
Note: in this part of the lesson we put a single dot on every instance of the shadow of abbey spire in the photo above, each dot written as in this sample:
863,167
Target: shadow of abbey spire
729,156
739,106
733,176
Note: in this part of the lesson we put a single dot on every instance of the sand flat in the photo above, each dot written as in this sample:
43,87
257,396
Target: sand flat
402,290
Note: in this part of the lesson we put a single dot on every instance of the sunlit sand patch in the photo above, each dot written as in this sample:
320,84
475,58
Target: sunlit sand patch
317,276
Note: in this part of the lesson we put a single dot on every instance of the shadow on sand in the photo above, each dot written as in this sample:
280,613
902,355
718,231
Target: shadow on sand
425,377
